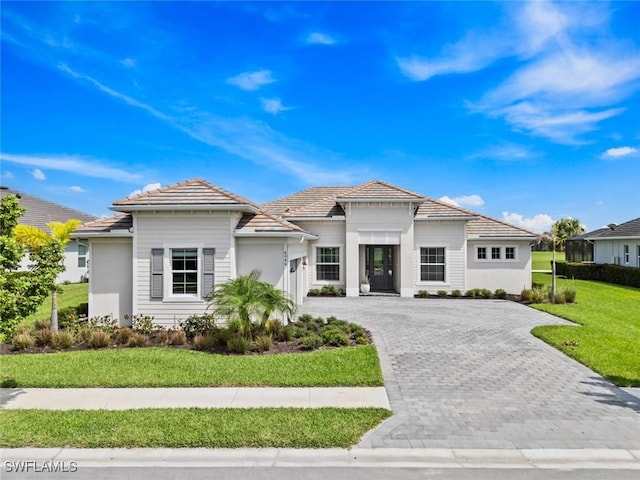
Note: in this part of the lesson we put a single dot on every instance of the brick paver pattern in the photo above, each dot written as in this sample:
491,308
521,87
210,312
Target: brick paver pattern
464,373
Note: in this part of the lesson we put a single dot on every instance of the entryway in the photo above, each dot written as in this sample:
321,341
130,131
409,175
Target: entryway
379,267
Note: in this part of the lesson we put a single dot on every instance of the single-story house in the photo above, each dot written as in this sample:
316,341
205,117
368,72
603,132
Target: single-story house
39,213
614,244
166,249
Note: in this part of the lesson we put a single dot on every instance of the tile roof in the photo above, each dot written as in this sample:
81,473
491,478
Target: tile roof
120,221
377,189
191,192
40,212
627,229
315,202
265,222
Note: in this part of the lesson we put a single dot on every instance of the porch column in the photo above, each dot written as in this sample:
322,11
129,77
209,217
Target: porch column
407,282
352,264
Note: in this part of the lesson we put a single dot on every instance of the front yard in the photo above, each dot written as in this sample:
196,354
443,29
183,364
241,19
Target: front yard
608,338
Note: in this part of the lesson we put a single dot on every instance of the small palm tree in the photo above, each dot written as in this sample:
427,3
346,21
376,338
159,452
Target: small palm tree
247,299
34,238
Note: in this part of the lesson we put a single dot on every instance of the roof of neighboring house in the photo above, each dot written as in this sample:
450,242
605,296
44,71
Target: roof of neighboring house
40,211
193,193
627,229
592,234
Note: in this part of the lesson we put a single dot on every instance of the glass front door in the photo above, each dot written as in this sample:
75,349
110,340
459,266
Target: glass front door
379,267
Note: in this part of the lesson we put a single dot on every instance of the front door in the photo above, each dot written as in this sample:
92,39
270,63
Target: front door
379,267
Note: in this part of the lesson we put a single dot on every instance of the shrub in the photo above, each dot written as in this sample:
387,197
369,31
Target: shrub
41,324
84,334
99,340
500,293
355,330
22,341
43,337
198,324
142,323
137,339
486,293
21,329
442,293
456,293
123,335
278,331
330,291
560,298
539,294
569,294
106,322
473,293
177,337
310,342
313,292
238,344
362,340
617,274
334,337
161,336
68,318
525,295
422,294
334,322
62,340
204,342
263,343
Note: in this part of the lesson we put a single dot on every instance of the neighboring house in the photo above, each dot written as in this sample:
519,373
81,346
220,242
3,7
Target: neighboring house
615,244
39,213
167,249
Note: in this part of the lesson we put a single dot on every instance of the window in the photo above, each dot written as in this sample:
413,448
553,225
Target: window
82,255
432,263
184,271
191,273
482,253
328,264
626,254
510,253
495,253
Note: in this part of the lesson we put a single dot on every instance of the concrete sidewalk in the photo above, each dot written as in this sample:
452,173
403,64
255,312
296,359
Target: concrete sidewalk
133,398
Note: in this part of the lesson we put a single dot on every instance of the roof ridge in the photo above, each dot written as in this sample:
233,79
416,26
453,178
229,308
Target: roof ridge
333,197
385,184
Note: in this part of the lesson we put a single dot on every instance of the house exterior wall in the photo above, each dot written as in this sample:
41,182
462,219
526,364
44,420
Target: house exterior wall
111,286
612,252
266,255
451,236
72,272
331,234
510,275
165,231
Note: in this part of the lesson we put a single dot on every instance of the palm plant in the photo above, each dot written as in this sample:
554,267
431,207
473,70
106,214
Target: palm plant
35,239
248,300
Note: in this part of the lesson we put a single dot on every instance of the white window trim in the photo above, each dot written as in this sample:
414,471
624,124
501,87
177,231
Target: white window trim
85,256
169,296
626,253
340,280
503,254
446,266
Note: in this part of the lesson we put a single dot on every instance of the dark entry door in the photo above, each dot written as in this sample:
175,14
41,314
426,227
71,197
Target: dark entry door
379,266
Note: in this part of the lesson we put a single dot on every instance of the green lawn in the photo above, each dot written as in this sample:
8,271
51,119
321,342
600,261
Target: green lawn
608,340
72,295
542,260
169,367
191,427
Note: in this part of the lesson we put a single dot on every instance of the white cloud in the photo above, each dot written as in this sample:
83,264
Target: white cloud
473,201
8,175
128,62
273,106
76,189
539,223
317,38
147,188
38,174
252,80
618,152
78,165
505,152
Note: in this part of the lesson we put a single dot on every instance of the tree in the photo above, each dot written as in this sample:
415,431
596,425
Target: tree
250,300
21,292
564,229
52,245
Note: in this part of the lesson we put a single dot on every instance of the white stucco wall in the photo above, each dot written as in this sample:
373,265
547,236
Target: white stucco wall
510,275
110,288
266,255
180,230
451,236
331,234
72,272
612,252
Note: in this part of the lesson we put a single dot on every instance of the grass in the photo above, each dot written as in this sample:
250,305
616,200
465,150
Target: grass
542,260
192,427
72,295
169,367
608,340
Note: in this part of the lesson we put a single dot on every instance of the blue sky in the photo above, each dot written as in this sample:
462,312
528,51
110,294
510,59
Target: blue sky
528,112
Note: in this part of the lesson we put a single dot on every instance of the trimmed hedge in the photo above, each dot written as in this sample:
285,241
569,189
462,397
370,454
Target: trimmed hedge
616,274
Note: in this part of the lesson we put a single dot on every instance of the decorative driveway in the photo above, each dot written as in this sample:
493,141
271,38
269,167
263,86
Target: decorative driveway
466,373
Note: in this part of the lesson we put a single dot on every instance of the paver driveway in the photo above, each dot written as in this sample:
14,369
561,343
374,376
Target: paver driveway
468,374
